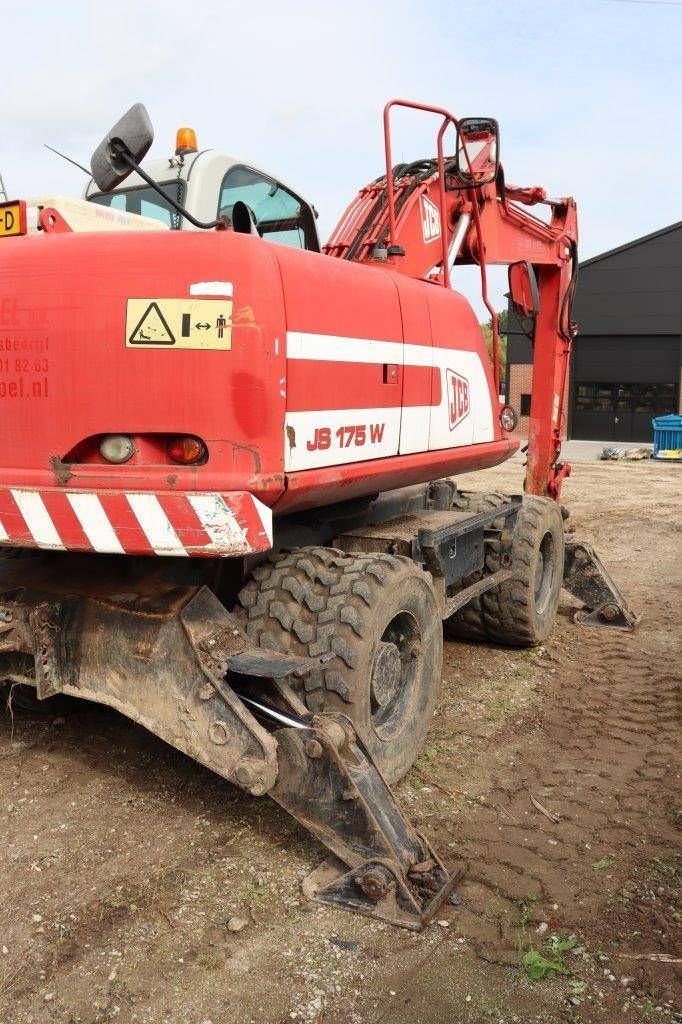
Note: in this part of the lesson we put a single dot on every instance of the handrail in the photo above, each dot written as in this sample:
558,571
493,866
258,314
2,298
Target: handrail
448,119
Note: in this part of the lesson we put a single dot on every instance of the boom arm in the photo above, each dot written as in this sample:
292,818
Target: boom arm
422,219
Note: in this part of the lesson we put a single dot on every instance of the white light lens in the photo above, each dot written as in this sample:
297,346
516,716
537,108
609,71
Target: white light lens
117,448
508,418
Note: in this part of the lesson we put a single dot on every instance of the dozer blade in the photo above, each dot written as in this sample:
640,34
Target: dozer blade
172,658
586,578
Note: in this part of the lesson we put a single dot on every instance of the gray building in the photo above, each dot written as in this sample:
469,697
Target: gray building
625,367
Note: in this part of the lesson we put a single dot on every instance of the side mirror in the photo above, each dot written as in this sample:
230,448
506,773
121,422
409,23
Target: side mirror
523,289
133,135
481,136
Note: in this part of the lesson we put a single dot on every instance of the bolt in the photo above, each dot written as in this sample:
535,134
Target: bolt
313,748
219,733
374,883
609,612
249,774
245,774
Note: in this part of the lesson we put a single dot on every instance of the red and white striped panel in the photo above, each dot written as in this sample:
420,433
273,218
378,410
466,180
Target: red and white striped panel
135,523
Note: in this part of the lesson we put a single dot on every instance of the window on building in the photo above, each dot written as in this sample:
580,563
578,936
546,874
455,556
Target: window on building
279,215
525,405
644,398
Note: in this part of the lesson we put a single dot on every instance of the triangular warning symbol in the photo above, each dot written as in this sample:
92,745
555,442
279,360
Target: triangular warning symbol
152,328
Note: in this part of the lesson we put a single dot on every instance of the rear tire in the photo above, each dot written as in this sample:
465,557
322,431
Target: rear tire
522,611
378,614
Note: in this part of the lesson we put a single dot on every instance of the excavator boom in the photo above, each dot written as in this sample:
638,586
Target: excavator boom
425,218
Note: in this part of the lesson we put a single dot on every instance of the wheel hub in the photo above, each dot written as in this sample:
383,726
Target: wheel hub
386,673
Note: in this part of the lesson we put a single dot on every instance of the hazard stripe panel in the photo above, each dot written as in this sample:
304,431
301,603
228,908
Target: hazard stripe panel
136,523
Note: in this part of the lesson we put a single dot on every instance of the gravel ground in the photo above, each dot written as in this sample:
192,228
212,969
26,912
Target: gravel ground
122,862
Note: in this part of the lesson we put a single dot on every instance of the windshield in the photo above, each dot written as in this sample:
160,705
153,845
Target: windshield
278,214
144,201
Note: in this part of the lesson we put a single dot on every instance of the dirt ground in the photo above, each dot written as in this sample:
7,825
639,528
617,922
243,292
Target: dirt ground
121,861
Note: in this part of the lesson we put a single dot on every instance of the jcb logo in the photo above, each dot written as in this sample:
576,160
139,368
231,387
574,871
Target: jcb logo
430,220
458,397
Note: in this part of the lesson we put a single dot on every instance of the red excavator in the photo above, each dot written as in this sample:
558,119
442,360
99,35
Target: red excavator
227,505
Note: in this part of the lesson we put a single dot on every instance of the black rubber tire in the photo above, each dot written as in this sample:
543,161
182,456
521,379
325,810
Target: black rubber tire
522,611
24,698
368,609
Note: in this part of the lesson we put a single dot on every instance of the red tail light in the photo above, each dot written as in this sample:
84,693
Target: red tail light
187,450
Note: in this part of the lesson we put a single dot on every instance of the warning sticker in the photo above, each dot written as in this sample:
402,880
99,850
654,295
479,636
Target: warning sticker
179,323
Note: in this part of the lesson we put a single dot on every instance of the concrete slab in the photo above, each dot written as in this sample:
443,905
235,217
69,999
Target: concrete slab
590,451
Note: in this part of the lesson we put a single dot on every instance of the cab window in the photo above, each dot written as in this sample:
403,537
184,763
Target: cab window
145,201
279,215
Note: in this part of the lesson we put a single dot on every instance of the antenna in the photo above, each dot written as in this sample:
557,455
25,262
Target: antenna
68,158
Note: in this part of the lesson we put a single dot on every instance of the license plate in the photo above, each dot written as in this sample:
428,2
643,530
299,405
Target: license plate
12,219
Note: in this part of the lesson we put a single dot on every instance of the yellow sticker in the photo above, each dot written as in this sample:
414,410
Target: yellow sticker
179,323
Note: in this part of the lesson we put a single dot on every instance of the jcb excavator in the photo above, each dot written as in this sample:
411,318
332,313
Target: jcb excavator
227,460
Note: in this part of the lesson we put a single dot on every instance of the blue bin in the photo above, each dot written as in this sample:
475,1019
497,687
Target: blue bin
667,434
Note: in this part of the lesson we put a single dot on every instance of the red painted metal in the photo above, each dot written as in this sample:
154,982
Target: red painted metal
52,222
499,232
309,334
341,483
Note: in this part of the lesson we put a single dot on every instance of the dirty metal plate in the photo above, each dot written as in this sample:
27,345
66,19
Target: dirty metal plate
272,664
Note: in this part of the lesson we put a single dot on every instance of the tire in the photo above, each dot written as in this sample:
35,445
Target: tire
522,611
378,614
24,698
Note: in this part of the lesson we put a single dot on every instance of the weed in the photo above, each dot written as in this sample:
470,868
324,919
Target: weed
664,866
559,944
502,706
428,755
604,862
492,1008
538,966
252,894
525,905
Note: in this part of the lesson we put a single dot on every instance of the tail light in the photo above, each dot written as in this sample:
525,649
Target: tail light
187,450
117,448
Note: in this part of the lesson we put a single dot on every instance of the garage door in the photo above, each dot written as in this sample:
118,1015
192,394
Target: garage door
605,411
620,383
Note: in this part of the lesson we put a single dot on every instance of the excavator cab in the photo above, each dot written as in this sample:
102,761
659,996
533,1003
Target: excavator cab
195,189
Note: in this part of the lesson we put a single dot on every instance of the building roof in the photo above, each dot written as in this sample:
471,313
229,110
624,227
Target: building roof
632,244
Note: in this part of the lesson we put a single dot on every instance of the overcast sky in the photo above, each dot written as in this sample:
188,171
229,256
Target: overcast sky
587,92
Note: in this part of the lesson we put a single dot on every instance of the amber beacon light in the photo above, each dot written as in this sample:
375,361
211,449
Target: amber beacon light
185,141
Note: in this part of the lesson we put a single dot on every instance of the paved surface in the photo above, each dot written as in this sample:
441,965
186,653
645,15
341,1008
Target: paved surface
589,451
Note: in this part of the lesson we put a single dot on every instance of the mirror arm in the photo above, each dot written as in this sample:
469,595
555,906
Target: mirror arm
123,154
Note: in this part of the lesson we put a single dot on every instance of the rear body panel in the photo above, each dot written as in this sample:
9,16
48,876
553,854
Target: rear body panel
337,380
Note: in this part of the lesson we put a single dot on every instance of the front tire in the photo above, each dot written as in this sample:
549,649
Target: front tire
378,614
522,611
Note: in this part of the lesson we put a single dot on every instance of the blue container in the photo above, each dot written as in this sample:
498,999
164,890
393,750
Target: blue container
667,434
